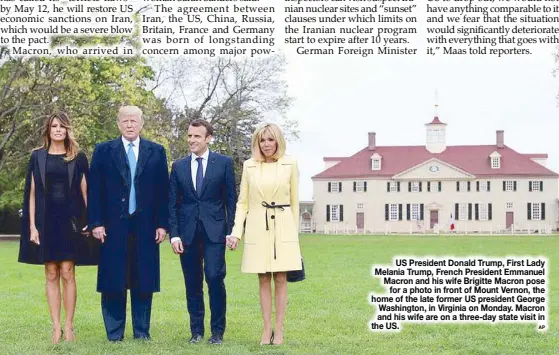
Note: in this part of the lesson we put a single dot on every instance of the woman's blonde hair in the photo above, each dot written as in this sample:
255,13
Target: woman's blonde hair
276,133
70,143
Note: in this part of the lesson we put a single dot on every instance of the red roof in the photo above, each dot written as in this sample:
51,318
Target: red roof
472,159
435,121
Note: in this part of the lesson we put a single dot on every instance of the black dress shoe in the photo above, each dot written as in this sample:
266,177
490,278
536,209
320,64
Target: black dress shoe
196,338
216,339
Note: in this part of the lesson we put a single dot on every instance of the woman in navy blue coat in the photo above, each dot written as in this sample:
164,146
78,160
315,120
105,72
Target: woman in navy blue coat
54,217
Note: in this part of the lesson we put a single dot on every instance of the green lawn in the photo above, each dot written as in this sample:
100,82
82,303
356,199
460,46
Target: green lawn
327,314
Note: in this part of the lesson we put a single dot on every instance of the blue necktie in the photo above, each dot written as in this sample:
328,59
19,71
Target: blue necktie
132,163
199,176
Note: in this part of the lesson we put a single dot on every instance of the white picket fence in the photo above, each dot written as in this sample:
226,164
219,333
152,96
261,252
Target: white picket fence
418,228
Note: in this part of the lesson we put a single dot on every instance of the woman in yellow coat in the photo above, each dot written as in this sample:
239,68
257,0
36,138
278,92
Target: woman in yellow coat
269,204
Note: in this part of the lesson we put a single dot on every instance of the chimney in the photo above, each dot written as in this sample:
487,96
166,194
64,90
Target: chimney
500,139
372,141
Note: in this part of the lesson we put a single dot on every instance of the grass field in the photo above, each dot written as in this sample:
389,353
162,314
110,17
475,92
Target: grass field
327,314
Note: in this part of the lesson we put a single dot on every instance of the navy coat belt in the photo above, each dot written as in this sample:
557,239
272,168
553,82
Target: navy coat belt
273,206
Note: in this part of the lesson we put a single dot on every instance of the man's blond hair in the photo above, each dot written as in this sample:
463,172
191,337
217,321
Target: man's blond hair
130,111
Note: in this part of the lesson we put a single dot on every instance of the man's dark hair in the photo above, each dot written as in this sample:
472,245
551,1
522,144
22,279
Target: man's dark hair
204,123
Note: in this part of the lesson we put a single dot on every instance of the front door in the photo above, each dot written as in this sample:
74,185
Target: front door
434,218
360,221
510,219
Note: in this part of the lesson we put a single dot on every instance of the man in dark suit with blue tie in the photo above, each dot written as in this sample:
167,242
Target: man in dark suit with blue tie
128,197
202,199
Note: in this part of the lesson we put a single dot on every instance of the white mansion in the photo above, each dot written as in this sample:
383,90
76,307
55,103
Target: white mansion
403,189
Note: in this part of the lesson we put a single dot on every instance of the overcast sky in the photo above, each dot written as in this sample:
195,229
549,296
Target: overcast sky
340,99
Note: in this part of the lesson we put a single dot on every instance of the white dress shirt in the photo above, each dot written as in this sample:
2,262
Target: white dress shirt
193,171
135,148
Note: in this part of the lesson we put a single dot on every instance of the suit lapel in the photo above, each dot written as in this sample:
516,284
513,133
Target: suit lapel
119,157
209,170
188,176
144,152
42,158
258,177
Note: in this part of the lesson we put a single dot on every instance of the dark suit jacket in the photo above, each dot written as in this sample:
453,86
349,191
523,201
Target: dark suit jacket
109,190
216,205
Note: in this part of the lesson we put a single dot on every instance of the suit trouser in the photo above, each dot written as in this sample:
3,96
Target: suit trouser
113,304
203,253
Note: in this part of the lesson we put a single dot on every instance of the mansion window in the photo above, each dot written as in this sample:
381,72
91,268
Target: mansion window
415,186
435,136
415,211
495,162
509,206
360,206
376,164
360,186
334,213
509,185
462,211
393,212
536,211
535,186
483,212
462,186
483,186
393,186
335,187
435,186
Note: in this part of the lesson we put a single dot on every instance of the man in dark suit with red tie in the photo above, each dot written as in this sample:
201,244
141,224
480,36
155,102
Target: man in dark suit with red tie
127,211
202,199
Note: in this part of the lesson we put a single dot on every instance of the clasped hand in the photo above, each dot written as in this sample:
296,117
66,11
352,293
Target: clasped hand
99,233
232,242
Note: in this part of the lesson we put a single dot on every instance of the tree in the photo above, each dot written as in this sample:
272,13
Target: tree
89,89
234,95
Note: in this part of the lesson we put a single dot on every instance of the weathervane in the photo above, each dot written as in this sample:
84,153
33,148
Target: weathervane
436,103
